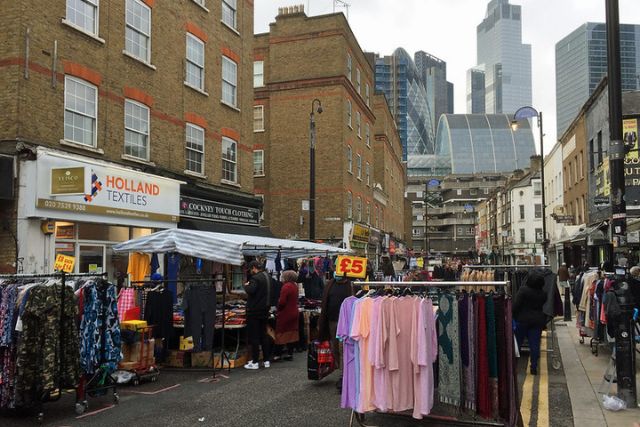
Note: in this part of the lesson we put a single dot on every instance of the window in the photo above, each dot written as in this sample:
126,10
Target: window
359,166
195,148
486,190
538,235
359,209
580,170
522,235
599,148
138,30
258,73
367,172
473,192
258,163
229,13
538,211
521,212
358,80
258,118
229,81
368,214
358,124
537,188
575,172
417,231
80,111
229,160
83,14
195,62
262,208
201,2
349,66
349,123
591,153
459,192
349,159
367,94
349,205
376,216
367,133
136,130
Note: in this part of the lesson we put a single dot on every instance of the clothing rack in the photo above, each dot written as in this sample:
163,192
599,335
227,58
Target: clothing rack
46,394
437,419
497,266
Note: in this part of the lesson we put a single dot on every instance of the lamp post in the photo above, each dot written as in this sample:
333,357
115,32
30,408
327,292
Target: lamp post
312,167
528,113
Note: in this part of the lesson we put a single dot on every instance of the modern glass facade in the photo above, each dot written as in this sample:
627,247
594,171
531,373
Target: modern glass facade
581,62
481,143
505,59
475,97
433,72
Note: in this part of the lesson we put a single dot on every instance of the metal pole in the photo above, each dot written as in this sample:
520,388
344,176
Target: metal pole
312,176
426,220
625,348
544,218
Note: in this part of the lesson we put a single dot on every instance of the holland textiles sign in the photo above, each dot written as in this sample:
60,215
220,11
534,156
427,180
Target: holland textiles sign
208,210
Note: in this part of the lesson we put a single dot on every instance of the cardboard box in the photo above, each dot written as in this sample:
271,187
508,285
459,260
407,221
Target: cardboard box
186,343
127,366
134,352
133,325
178,359
202,359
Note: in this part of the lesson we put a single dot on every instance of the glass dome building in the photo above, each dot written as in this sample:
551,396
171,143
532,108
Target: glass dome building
476,143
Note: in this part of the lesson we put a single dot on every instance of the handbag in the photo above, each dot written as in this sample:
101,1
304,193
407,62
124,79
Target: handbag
320,361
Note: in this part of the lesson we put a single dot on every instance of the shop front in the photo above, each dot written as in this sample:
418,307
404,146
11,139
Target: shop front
359,239
81,207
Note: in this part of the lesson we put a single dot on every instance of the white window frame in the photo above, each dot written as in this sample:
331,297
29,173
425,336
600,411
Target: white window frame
367,172
260,118
260,75
193,148
349,114
358,80
359,166
359,124
349,205
349,159
349,66
202,4
367,134
230,81
261,171
137,131
367,94
87,85
359,209
233,163
191,61
231,8
94,5
367,213
130,26
537,210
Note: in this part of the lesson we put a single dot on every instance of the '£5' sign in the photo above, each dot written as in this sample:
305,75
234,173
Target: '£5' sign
351,266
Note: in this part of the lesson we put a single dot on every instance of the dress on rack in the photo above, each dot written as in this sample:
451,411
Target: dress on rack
448,350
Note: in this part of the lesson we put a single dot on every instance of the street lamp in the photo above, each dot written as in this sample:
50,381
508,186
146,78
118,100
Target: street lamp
312,168
528,113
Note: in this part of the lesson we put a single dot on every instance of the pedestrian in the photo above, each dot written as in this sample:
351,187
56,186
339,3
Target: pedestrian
529,317
259,290
634,285
336,291
311,282
388,270
287,314
563,277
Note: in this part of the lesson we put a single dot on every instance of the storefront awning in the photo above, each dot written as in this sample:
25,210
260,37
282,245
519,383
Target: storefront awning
220,227
223,247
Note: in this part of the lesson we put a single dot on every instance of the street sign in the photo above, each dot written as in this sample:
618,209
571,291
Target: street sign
351,266
601,201
564,219
433,183
64,263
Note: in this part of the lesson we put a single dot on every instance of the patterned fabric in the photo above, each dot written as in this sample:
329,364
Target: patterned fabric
483,397
7,308
8,298
493,356
126,301
501,344
469,369
100,329
48,349
449,351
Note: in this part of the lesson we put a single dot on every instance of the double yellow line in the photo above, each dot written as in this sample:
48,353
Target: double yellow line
542,401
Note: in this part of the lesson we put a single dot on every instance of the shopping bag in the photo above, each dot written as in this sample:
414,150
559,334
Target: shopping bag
320,362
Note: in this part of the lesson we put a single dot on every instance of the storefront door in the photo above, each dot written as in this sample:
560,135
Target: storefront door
91,258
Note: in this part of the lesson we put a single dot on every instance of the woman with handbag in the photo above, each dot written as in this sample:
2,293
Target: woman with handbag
287,314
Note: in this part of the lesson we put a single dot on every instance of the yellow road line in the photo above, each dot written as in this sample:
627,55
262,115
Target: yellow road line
543,386
527,397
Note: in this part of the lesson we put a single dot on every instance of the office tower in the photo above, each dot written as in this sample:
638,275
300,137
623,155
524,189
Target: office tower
475,97
433,72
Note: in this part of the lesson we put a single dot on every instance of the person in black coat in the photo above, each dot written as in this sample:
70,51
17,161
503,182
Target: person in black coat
259,290
529,317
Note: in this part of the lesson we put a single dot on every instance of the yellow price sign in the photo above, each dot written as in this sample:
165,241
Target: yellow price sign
351,266
64,263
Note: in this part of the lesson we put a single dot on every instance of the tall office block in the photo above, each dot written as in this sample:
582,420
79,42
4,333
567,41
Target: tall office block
433,72
475,96
581,62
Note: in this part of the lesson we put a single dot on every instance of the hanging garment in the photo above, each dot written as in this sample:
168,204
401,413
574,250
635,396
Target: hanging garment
512,377
483,397
48,352
492,351
385,361
449,351
468,351
424,353
8,313
100,343
376,355
139,266
501,345
173,269
343,332
199,304
158,313
8,298
126,301
360,332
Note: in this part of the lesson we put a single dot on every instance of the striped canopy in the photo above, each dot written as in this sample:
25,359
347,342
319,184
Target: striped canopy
222,247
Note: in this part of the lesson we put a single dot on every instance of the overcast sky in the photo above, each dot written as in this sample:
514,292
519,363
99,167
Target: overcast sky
447,29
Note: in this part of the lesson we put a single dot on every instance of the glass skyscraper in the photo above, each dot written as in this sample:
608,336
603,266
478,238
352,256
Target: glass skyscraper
505,59
581,62
480,143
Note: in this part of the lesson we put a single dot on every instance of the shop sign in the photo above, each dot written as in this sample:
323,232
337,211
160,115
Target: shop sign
218,212
358,245
631,162
351,266
601,201
64,263
68,183
633,237
564,219
360,233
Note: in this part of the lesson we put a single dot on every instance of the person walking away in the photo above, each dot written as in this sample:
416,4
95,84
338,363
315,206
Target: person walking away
258,290
336,291
529,317
563,277
287,314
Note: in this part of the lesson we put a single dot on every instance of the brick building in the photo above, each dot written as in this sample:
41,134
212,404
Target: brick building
299,60
145,105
